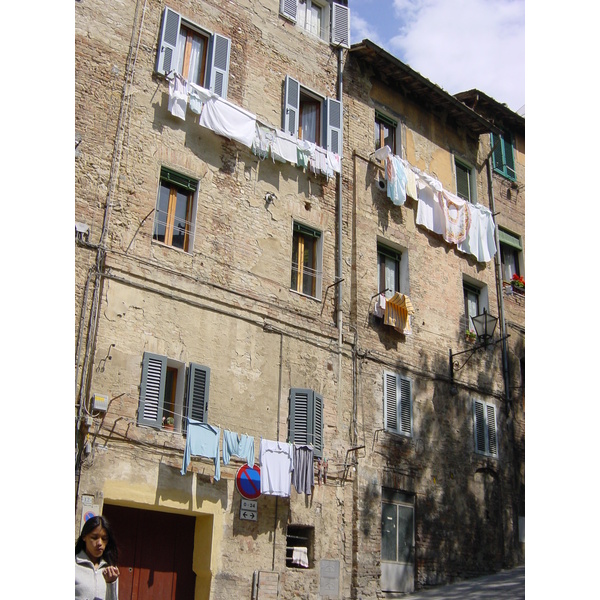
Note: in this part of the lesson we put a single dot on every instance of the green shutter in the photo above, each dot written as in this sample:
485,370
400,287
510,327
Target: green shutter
152,390
509,159
197,392
390,399
491,430
509,239
181,181
306,230
389,253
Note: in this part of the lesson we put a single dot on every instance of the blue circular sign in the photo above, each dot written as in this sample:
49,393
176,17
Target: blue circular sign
247,481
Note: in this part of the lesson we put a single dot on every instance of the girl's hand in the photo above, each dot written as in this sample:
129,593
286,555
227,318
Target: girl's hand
110,574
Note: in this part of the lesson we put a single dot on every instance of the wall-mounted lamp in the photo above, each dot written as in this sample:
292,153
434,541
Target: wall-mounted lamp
485,325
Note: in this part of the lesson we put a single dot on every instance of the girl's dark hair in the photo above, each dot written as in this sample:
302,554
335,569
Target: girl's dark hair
110,552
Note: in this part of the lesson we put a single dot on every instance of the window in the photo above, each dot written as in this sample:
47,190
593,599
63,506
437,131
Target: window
397,404
196,54
305,423
385,132
475,299
311,117
503,155
300,541
164,395
510,252
465,186
315,16
484,426
306,261
174,217
388,270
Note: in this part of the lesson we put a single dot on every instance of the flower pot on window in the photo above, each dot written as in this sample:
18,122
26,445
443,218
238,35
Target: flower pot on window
169,424
470,336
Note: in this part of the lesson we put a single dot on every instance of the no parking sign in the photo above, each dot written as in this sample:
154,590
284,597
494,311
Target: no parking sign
247,481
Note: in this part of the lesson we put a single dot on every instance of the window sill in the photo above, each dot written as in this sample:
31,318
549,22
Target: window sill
163,245
305,295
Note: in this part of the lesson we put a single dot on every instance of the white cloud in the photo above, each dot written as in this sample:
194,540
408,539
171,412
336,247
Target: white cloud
361,30
465,44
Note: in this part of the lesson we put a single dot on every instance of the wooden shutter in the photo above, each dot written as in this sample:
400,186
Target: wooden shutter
291,106
218,64
166,59
288,8
491,429
390,407
317,414
405,405
497,154
463,188
340,25
298,419
152,390
479,426
197,392
509,159
333,109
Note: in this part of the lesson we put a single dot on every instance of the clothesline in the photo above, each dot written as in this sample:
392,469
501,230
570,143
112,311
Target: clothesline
467,225
233,122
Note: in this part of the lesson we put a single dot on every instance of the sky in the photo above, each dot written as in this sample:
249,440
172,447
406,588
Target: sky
457,44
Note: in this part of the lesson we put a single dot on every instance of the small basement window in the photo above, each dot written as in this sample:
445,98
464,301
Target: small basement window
299,551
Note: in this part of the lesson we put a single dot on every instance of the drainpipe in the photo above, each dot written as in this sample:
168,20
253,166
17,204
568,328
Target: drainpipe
339,210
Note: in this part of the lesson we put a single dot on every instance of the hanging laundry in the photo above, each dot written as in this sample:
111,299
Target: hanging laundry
396,180
398,309
379,309
429,211
286,149
229,120
202,440
300,556
318,162
457,216
382,153
303,476
242,447
480,240
411,181
197,97
178,95
276,466
335,162
305,151
264,136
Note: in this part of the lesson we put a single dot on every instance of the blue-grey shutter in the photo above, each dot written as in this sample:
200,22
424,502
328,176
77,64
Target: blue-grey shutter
291,106
317,419
152,390
166,59
390,406
218,64
333,122
298,424
288,8
197,392
405,388
491,429
340,25
479,426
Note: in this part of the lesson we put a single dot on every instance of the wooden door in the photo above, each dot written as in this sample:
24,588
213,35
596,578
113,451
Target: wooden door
155,553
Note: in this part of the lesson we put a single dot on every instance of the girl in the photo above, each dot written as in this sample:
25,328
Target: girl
96,571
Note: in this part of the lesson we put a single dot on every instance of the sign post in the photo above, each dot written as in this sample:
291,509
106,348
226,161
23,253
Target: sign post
247,482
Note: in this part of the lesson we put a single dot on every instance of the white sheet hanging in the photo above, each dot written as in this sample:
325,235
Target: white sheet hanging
480,240
229,120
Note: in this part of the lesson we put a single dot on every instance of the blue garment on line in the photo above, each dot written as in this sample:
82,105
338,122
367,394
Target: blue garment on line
242,447
202,440
396,188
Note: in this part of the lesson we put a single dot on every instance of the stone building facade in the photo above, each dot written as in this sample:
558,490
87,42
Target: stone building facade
238,287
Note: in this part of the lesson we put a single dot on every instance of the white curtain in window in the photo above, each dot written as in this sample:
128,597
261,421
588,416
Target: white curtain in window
390,277
313,20
309,123
472,306
195,56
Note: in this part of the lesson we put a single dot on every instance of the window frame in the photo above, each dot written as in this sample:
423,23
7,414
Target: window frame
217,55
384,253
384,120
176,183
503,156
402,407
481,291
471,195
510,244
190,397
397,499
335,20
306,419
485,437
330,126
300,235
